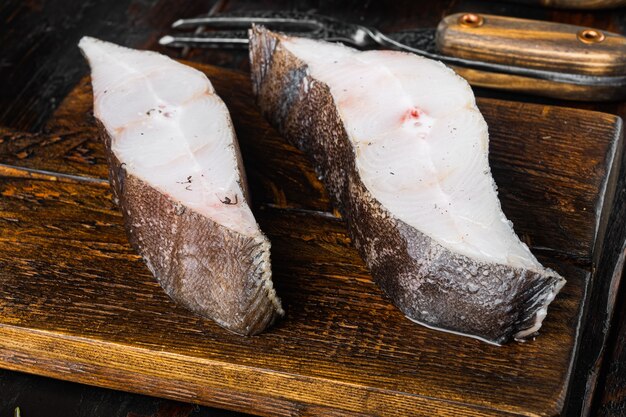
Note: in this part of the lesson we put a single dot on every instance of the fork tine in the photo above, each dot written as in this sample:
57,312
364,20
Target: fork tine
245,22
213,40
181,41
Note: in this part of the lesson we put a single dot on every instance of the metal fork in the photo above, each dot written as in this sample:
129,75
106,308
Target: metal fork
232,33
295,23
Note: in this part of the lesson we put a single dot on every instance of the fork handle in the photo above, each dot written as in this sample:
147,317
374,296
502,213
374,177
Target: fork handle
533,44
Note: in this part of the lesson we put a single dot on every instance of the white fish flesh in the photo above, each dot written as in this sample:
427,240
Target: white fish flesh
403,150
177,175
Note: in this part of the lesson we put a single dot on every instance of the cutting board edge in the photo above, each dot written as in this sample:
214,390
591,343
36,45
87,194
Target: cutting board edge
22,350
601,288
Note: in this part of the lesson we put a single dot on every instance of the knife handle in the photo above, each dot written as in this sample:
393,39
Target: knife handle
536,44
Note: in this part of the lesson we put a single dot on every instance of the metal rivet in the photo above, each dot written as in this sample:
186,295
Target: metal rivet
590,36
471,20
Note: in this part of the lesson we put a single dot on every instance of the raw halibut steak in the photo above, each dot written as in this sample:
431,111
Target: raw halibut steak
403,151
176,173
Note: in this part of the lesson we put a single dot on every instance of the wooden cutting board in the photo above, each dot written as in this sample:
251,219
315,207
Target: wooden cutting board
77,303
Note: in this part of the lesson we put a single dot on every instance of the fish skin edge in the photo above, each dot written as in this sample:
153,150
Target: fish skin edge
232,282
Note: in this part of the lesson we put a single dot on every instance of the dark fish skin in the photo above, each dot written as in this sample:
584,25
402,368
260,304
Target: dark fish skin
427,282
203,266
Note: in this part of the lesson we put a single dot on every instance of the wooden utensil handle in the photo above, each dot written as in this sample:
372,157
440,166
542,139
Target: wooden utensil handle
532,44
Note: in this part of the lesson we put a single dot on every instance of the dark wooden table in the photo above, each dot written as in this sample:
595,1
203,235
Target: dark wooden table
39,64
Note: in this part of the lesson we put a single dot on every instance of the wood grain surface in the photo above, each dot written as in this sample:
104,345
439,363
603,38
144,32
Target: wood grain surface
80,305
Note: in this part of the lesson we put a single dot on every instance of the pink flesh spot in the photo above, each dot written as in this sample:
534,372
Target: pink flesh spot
412,115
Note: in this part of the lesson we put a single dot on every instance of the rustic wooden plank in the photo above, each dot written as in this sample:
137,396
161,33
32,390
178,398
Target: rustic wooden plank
79,304
351,334
554,158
